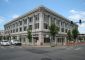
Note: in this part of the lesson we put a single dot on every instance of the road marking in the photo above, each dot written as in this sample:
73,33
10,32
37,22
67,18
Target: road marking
77,49
2,47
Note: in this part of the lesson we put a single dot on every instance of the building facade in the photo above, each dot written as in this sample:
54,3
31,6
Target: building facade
1,32
39,21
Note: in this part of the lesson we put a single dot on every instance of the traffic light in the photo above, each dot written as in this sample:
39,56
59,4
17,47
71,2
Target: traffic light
71,22
80,21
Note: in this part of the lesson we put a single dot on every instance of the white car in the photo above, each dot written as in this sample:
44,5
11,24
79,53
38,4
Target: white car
5,43
15,42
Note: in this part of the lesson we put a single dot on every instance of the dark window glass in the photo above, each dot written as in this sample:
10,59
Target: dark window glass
37,26
17,30
25,28
45,26
62,29
20,29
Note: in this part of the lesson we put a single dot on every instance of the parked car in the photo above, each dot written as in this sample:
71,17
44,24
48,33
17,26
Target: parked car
15,42
5,43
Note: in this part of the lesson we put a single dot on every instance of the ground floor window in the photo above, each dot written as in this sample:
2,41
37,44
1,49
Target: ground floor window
46,40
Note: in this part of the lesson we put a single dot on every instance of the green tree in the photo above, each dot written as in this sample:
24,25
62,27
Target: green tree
1,37
75,33
53,31
69,35
29,34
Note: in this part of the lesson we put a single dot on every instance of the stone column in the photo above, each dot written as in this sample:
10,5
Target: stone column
41,39
49,21
33,27
22,25
60,26
41,19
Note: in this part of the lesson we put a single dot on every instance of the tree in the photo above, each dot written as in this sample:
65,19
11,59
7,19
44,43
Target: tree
75,33
69,35
1,37
29,34
53,31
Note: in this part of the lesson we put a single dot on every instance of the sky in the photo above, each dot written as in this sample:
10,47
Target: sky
71,9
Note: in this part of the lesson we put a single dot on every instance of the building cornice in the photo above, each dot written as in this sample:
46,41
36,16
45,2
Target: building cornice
40,9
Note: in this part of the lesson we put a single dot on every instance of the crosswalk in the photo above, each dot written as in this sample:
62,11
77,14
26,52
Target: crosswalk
6,47
74,48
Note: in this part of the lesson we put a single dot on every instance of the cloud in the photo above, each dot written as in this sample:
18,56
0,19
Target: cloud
15,16
76,16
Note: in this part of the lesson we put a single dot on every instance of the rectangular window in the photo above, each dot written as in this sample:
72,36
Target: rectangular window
25,21
30,19
45,26
20,29
20,22
30,26
37,26
25,28
17,30
62,29
36,17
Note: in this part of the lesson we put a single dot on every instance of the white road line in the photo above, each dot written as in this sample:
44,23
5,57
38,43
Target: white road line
77,49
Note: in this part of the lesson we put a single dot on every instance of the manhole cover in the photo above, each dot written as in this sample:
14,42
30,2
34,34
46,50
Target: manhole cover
46,59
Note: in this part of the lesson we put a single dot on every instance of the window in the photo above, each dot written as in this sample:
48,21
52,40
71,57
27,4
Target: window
66,30
13,30
20,29
20,22
45,26
25,21
37,26
25,28
36,17
17,30
62,29
30,26
46,18
30,19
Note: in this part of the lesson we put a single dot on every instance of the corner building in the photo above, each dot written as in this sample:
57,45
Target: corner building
39,20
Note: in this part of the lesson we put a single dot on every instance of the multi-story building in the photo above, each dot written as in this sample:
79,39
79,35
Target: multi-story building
39,20
1,32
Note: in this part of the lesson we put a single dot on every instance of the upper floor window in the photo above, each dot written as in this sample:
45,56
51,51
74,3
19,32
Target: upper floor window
17,30
30,26
36,17
37,26
62,29
20,29
20,22
46,18
25,28
30,19
45,26
25,21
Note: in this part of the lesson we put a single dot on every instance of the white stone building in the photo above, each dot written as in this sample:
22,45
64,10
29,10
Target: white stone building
39,20
1,32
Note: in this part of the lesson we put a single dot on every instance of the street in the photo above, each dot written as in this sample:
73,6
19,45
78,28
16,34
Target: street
42,53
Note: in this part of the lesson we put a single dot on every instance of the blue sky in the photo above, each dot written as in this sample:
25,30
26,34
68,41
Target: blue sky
71,9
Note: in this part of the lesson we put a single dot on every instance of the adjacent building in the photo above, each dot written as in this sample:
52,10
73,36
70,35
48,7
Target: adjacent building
39,20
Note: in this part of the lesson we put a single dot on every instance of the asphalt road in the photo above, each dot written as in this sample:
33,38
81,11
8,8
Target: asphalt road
37,53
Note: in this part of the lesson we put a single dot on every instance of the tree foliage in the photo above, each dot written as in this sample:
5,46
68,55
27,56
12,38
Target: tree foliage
75,33
29,35
53,30
69,35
